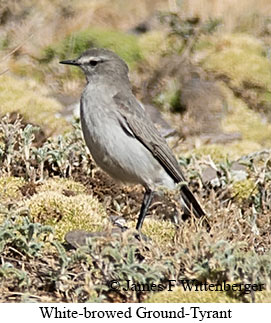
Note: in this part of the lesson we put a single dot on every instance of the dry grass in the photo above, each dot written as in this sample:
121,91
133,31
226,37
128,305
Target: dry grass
47,22
234,15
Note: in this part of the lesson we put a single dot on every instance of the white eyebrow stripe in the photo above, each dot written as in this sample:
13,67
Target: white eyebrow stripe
87,59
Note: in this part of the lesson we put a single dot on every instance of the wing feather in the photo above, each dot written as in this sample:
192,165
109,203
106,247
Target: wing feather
130,115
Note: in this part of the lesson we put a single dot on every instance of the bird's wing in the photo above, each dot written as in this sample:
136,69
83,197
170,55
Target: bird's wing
135,122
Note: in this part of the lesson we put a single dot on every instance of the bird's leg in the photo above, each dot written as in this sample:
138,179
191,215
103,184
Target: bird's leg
144,207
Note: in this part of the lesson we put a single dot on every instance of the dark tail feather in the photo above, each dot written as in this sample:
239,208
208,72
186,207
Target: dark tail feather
190,204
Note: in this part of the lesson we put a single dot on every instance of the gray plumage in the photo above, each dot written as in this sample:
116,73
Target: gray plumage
120,136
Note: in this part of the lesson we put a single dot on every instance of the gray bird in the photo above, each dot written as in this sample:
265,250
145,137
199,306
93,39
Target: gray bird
121,138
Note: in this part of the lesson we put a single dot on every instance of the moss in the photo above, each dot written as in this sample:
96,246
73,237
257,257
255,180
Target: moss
266,97
27,70
10,188
243,190
244,41
157,43
174,102
204,44
263,99
219,42
169,99
31,100
123,44
263,297
240,148
215,151
62,185
65,213
4,42
239,57
152,42
255,132
160,232
2,216
249,123
231,151
178,295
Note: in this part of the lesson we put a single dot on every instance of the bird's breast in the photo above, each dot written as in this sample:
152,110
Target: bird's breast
118,153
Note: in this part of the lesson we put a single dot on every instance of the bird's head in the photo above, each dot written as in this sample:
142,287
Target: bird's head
98,61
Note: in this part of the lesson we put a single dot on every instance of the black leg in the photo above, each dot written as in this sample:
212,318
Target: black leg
144,208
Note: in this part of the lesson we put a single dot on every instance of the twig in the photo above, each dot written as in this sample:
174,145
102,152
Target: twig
16,48
5,71
23,294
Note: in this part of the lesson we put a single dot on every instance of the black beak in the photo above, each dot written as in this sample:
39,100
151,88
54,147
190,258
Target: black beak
70,62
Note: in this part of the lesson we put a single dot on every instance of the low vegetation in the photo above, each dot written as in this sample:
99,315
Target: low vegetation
50,186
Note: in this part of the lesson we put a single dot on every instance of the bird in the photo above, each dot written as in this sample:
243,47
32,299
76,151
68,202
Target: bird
121,137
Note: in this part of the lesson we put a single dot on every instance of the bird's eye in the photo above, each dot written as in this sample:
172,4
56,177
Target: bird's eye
93,63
